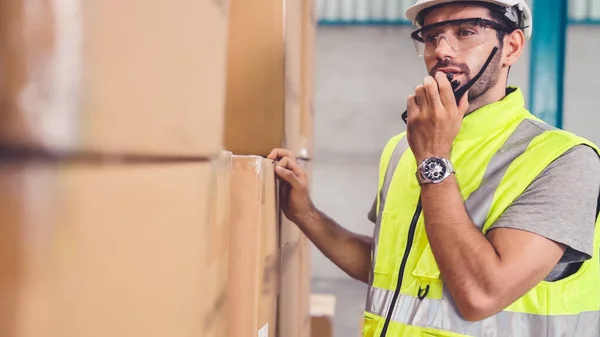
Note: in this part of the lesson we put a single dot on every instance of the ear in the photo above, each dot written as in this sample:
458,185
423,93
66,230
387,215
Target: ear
513,47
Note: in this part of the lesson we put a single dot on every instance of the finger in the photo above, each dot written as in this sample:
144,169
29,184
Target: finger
421,96
288,176
280,153
445,88
432,91
291,165
463,104
412,106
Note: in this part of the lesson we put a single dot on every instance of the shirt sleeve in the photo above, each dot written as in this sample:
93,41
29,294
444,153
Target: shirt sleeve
561,203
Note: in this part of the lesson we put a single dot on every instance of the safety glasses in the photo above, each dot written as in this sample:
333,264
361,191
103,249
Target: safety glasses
461,34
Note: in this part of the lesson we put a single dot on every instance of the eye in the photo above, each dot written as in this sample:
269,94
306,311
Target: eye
430,37
466,32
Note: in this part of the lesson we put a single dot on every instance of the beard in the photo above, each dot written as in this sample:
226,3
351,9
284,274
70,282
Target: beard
488,79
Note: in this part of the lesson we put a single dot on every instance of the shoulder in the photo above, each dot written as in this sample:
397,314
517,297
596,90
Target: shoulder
392,142
561,203
581,159
564,150
389,150
575,172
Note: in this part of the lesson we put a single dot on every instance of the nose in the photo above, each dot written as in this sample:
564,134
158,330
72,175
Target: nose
443,49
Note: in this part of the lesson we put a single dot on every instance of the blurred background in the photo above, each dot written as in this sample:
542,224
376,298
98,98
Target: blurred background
366,67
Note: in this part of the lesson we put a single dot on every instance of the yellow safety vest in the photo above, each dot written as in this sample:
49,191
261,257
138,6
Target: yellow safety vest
498,152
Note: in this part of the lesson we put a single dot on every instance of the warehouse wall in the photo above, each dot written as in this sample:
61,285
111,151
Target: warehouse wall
364,75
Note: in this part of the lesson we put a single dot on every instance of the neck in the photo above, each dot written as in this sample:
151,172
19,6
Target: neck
491,96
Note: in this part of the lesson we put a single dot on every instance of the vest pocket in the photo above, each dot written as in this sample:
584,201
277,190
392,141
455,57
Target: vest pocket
384,243
370,325
427,274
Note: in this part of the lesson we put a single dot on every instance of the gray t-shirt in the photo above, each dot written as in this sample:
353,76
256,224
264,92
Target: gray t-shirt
561,205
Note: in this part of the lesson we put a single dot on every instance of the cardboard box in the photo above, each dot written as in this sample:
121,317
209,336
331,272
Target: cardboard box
305,286
307,101
305,269
293,77
136,77
322,310
254,253
264,83
103,250
217,273
290,297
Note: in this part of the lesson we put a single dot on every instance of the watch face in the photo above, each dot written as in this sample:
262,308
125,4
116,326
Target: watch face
434,169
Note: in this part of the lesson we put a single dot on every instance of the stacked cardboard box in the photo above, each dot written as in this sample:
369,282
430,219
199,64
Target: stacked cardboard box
135,77
270,75
306,148
269,104
102,250
307,104
290,297
114,196
123,216
294,311
305,288
254,252
219,228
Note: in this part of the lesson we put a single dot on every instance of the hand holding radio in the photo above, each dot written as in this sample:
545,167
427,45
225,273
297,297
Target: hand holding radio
435,112
434,118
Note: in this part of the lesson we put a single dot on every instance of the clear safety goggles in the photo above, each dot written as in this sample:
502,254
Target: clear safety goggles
461,34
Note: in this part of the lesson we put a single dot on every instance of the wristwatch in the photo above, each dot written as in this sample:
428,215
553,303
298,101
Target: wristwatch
434,170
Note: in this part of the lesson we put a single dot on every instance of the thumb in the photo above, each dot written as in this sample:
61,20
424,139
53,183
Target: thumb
463,104
288,176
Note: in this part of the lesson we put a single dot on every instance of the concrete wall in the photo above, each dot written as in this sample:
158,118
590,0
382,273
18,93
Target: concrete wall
364,75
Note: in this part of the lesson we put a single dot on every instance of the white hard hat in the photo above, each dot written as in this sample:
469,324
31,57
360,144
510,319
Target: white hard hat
517,11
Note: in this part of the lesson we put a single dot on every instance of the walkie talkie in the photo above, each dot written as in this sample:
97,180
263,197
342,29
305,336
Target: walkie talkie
458,94
454,83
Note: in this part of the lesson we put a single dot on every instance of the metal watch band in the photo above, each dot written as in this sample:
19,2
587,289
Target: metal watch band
424,180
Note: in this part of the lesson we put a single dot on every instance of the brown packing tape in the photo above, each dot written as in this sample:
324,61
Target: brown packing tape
79,76
254,253
106,250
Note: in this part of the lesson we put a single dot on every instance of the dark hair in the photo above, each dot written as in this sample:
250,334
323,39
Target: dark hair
498,16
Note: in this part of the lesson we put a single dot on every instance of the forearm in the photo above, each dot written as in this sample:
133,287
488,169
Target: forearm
351,252
467,260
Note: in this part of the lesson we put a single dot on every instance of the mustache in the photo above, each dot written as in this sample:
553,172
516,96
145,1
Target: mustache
447,63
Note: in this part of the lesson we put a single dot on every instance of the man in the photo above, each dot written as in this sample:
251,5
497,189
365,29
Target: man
485,216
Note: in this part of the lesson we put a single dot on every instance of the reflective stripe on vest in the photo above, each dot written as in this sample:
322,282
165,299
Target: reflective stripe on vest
399,150
480,201
442,314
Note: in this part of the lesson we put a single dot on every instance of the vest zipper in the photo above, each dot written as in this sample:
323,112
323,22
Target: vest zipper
409,243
